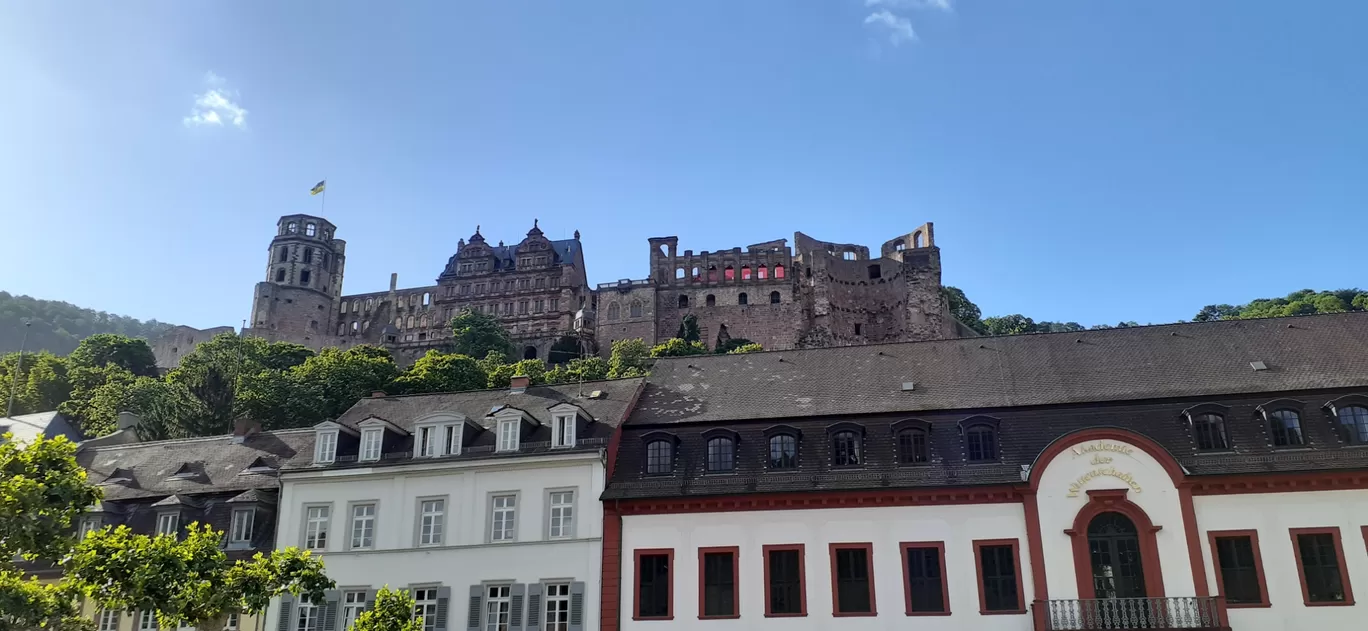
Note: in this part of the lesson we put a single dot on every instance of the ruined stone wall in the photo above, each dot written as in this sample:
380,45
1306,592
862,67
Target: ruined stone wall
180,341
626,309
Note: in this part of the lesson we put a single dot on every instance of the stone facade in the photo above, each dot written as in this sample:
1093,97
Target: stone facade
816,293
180,341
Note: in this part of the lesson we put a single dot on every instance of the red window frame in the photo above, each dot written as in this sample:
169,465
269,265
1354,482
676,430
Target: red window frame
636,582
1253,535
835,598
1334,533
939,547
735,553
1015,544
802,578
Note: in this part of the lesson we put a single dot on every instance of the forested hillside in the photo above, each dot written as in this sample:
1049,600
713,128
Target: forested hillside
59,326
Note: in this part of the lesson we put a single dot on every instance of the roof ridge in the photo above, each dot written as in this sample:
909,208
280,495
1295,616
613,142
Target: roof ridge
504,390
198,439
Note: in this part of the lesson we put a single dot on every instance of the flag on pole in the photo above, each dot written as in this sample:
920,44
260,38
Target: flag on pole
318,188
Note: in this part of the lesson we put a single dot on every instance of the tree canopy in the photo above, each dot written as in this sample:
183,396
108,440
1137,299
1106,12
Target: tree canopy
57,327
391,611
478,334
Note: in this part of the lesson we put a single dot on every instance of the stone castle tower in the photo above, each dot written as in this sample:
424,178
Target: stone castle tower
298,301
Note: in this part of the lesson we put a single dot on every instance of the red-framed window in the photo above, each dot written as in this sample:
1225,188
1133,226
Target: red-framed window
1239,567
926,591
653,592
1320,566
852,579
998,564
718,582
785,582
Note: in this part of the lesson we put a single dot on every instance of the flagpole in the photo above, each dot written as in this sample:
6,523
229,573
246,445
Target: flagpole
323,204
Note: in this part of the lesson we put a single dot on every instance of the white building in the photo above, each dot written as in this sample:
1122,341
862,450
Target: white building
485,505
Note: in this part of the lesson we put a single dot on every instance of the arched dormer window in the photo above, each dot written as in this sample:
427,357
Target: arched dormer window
1351,415
1208,426
720,456
980,438
783,447
913,440
847,445
1283,417
660,453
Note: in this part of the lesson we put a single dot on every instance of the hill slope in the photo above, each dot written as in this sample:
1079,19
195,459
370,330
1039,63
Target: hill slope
59,326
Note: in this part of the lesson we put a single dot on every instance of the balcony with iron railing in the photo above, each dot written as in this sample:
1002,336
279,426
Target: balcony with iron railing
1131,614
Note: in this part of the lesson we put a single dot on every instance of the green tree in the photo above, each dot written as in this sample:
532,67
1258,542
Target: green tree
95,417
676,347
477,334
746,348
503,374
688,329
731,344
133,355
391,611
57,327
1014,324
629,358
336,379
565,350
441,372
216,369
1216,312
42,382
579,370
962,309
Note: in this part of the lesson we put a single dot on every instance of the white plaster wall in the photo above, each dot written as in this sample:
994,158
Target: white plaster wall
885,528
1157,496
1273,514
466,559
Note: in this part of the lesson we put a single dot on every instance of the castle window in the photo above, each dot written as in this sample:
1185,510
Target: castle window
875,272
710,300
721,456
292,227
304,277
899,245
846,449
696,275
541,283
310,230
712,273
679,274
857,328
612,311
280,275
778,271
427,299
1209,431
413,299
412,322
683,301
745,272
341,328
370,304
522,307
325,262
1285,427
283,254
849,256
541,260
729,273
313,325
980,443
742,298
762,272
916,239
636,309
774,297
356,326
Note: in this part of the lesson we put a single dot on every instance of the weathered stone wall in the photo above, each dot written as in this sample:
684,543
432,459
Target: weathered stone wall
626,309
180,341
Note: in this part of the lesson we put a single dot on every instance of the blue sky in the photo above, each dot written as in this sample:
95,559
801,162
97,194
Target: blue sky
1082,160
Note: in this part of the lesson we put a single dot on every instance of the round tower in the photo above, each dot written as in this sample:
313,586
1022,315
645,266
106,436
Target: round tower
296,301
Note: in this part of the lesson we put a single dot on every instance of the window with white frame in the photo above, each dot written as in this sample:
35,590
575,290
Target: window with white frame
557,607
562,512
371,440
497,603
240,530
425,607
147,621
503,518
563,431
431,520
230,621
508,434
306,617
90,524
109,620
439,440
167,523
325,448
316,527
363,527
353,603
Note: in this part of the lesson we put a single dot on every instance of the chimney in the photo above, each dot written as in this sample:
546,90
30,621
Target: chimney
378,394
244,427
128,420
394,281
518,384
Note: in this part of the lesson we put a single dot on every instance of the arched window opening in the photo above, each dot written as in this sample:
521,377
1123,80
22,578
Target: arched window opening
875,272
846,450
916,239
745,272
612,311
774,297
778,271
1354,423
762,272
783,451
413,299
310,230
427,299
423,322
710,300
344,307
530,352
899,246
721,455
728,273
412,322
1117,569
280,275
636,309
341,328
356,326
683,301
980,444
679,274
696,275
659,457
283,254
365,325
712,273
849,256
742,298
1285,427
912,448
370,304
1209,431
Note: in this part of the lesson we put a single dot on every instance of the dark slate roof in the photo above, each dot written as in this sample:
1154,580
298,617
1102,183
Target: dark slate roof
609,408
1177,360
219,458
506,256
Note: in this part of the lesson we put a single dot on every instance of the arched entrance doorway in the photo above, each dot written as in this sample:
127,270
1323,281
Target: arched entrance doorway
530,352
1118,570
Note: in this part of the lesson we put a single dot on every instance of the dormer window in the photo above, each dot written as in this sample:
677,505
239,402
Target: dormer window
325,447
90,524
240,529
442,439
1285,428
168,523
1209,432
980,443
509,434
563,430
371,441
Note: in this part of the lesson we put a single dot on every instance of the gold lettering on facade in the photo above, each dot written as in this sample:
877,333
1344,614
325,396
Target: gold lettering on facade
1111,472
1100,447
1100,459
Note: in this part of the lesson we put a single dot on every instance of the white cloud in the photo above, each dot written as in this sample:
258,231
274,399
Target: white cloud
899,28
938,5
216,105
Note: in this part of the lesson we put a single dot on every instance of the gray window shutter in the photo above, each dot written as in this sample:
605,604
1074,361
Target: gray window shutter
329,609
473,616
577,606
370,599
443,603
286,604
534,600
516,594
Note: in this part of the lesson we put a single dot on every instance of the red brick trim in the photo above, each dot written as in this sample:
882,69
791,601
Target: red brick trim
939,547
978,569
1035,546
1194,541
1253,536
1334,533
636,582
997,494
735,553
1114,501
610,588
1279,482
1144,443
869,563
802,578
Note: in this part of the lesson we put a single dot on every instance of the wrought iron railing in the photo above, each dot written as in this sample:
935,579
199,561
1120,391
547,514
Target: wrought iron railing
1126,614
